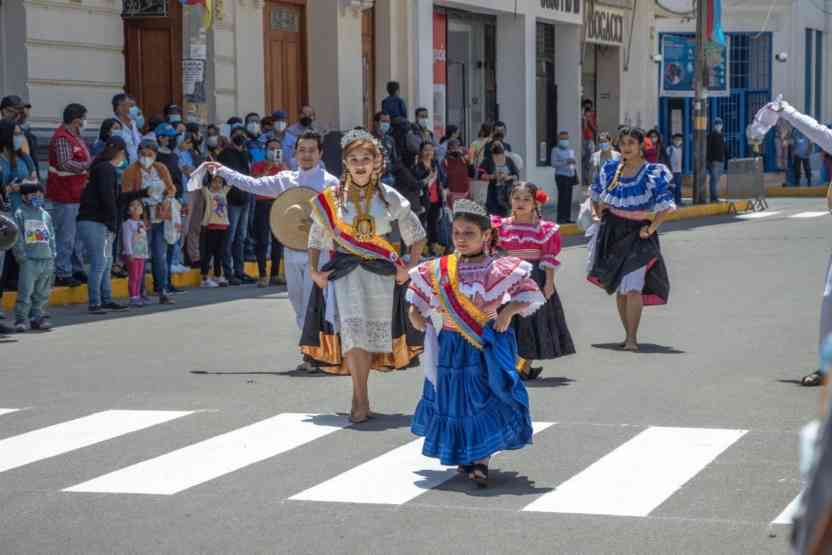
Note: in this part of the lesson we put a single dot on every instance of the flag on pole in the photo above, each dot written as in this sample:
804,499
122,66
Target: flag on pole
714,30
207,10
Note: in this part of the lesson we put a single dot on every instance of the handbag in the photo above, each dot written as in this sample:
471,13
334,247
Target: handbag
585,215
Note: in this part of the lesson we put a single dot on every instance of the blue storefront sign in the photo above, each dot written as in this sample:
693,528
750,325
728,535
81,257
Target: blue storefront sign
679,67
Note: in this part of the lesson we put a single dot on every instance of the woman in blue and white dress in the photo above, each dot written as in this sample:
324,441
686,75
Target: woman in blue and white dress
630,199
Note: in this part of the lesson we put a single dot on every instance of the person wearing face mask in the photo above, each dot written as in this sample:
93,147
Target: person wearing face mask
281,123
675,154
109,128
604,154
305,123
236,157
311,174
420,132
500,172
256,149
212,143
717,157
381,131
154,177
125,111
266,130
99,219
69,162
173,114
167,137
35,254
264,238
565,164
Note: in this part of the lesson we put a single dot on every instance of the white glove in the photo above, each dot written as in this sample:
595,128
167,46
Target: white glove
765,119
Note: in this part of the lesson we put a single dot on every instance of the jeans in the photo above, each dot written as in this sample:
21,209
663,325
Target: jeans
33,287
68,259
158,257
677,189
264,237
807,167
715,171
171,255
98,244
565,184
235,240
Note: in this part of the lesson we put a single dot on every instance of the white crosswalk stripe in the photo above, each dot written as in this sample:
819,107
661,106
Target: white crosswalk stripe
788,513
190,466
68,436
638,476
633,479
394,478
758,215
804,215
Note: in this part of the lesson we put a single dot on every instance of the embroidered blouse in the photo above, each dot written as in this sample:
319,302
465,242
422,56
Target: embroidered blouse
647,191
538,242
489,284
397,210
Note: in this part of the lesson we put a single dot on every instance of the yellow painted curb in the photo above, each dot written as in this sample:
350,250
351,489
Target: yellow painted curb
62,296
684,213
797,192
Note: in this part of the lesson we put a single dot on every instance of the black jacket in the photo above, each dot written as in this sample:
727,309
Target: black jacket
237,160
717,152
171,162
101,198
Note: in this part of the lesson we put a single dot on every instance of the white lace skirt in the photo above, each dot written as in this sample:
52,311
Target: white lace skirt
365,311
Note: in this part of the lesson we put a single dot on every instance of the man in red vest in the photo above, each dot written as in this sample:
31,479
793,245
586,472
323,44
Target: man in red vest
69,162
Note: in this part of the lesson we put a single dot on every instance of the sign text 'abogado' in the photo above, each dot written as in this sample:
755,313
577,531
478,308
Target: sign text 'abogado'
604,26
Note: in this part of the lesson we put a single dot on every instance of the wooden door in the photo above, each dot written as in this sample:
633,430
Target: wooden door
284,44
153,60
368,64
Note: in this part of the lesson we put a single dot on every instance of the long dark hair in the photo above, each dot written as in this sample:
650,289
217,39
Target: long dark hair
106,130
635,132
111,150
7,128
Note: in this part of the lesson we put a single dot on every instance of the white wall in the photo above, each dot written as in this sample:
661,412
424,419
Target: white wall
639,84
250,63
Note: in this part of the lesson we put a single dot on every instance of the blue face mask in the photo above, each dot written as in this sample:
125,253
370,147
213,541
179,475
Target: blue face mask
384,127
604,146
139,121
564,143
122,165
36,202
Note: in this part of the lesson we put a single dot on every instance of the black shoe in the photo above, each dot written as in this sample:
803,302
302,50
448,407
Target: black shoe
80,277
235,281
96,309
164,299
246,279
277,281
6,329
114,306
41,324
66,282
173,289
534,372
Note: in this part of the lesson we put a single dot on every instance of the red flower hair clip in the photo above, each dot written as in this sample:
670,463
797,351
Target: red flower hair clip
541,197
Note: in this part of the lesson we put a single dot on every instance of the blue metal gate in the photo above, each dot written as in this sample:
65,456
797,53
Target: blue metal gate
750,59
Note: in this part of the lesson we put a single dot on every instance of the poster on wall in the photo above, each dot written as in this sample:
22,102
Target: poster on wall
144,8
678,67
193,80
440,72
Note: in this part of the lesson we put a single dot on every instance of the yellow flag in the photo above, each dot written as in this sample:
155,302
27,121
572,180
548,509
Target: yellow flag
207,10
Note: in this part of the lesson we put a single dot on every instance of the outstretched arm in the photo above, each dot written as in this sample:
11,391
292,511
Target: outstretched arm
816,132
267,186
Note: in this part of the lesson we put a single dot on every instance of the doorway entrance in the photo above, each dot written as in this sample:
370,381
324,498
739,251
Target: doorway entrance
285,53
153,60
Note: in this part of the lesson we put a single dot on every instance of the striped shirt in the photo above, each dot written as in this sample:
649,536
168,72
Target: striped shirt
647,191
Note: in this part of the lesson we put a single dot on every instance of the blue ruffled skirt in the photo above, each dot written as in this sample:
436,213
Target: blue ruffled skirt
479,405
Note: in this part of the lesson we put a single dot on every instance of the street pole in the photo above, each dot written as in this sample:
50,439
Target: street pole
700,106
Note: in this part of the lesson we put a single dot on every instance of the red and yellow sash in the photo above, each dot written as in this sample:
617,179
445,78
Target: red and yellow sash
325,213
467,317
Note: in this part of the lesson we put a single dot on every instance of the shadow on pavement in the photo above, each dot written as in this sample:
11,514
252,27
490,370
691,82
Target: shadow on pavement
644,348
499,484
380,422
552,381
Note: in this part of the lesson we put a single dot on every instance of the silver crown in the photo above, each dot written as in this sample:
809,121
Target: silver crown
357,135
465,206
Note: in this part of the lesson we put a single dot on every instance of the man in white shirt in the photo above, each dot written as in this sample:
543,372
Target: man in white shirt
310,173
124,109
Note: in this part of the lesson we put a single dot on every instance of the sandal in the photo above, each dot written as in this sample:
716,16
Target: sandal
465,469
813,379
534,372
479,474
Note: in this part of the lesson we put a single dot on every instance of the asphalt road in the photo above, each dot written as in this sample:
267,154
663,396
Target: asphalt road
687,447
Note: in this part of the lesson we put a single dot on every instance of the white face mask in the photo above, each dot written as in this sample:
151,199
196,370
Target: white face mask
253,128
212,141
146,161
83,125
273,155
424,122
280,125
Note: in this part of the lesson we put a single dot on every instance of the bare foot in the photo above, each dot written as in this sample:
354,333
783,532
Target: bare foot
631,346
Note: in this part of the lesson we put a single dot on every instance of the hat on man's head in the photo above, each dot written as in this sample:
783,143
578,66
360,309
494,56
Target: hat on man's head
280,114
149,144
165,130
13,101
117,141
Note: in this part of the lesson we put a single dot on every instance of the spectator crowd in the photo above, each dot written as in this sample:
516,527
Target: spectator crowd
119,206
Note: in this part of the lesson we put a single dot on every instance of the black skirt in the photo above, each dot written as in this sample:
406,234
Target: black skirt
543,335
620,250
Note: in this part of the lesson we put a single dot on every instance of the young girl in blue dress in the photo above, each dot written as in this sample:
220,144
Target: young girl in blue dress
473,401
631,198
